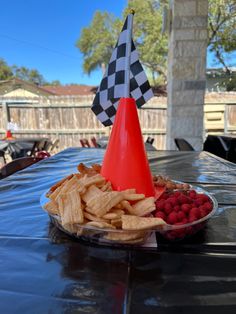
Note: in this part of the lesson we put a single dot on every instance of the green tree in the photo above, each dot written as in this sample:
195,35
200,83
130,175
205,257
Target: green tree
29,75
229,83
98,39
5,71
151,43
222,30
55,83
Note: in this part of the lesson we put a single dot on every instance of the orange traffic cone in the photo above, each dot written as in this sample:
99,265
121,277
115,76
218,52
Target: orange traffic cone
125,162
8,135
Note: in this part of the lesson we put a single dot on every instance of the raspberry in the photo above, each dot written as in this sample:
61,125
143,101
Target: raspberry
160,215
160,204
168,208
172,218
177,208
181,215
208,207
203,212
194,212
172,201
184,221
164,196
192,218
192,194
203,197
186,208
183,199
198,202
177,194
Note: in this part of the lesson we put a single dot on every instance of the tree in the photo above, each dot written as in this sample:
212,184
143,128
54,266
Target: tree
222,30
53,83
5,71
98,39
229,83
29,75
151,43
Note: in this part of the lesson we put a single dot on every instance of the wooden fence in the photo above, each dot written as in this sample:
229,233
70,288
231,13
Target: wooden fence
70,119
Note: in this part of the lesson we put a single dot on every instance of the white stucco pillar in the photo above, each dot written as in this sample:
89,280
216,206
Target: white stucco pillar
186,72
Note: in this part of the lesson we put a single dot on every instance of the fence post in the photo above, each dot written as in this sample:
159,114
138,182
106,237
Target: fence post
226,117
5,114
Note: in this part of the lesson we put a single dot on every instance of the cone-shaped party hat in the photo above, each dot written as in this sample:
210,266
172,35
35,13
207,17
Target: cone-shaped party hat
125,163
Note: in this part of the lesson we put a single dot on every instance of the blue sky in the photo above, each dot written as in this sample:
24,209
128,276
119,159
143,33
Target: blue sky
41,34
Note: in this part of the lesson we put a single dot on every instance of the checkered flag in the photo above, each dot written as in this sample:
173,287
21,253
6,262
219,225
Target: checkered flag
112,86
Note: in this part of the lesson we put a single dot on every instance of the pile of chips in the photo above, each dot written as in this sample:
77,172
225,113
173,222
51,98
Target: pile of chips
85,200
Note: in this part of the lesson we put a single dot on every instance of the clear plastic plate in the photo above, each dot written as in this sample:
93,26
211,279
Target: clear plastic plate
132,237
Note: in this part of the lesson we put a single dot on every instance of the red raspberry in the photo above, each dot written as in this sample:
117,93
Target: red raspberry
177,208
194,212
192,218
168,208
160,215
183,199
172,201
208,207
192,194
160,204
177,194
203,197
186,208
164,196
184,221
181,215
198,202
172,218
203,212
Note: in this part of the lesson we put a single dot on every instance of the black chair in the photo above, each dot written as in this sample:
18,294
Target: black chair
182,144
94,142
217,146
84,143
17,165
150,140
54,146
2,156
42,145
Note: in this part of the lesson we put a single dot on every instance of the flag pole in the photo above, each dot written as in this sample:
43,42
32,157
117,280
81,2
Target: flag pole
128,54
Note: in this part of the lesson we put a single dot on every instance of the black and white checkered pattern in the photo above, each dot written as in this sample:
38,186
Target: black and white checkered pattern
112,85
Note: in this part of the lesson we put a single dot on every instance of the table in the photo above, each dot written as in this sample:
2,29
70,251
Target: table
222,145
19,146
44,271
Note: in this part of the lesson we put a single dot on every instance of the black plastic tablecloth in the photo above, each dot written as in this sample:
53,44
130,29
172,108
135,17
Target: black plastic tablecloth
43,270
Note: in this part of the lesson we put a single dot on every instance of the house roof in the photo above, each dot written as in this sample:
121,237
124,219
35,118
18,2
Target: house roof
74,90
220,72
66,90
15,83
